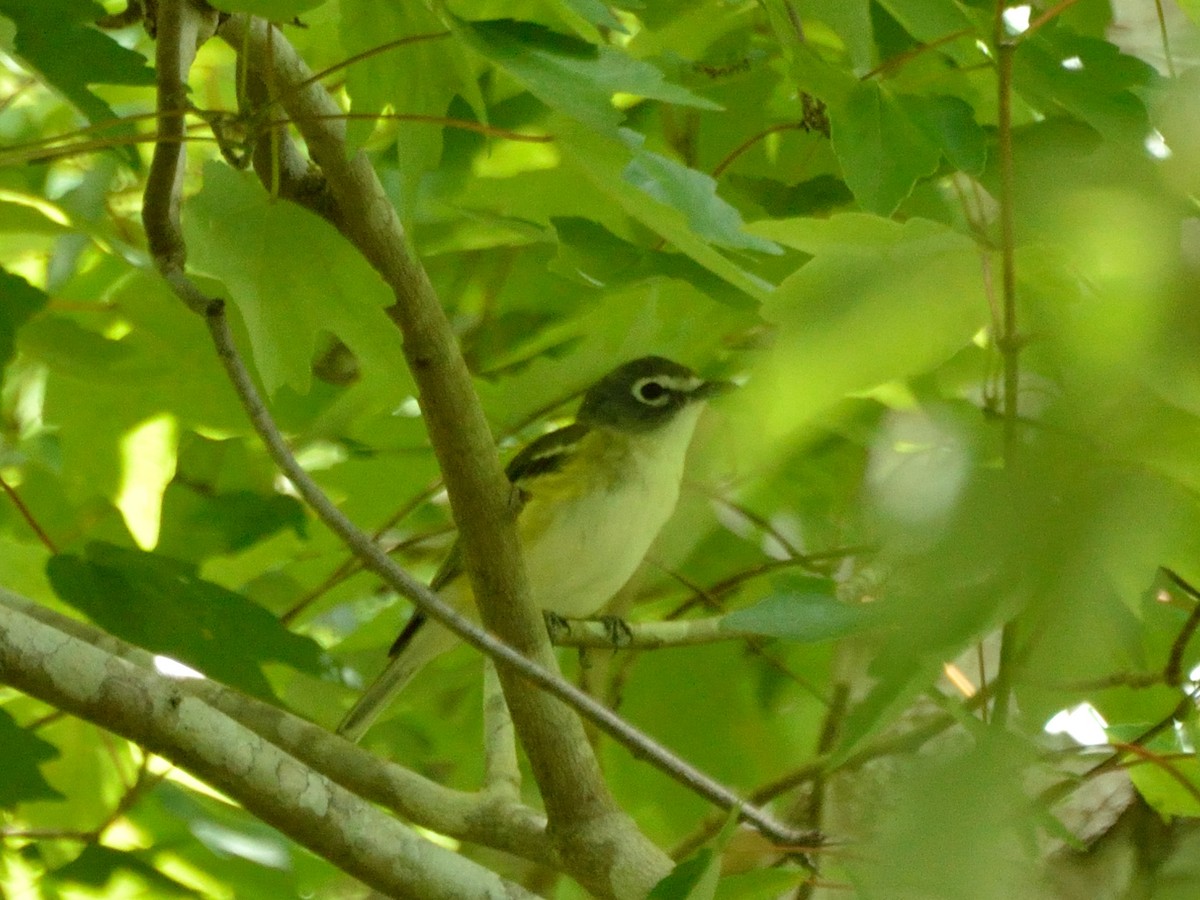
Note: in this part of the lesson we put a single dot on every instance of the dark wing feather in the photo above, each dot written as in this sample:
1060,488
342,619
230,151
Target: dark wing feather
546,454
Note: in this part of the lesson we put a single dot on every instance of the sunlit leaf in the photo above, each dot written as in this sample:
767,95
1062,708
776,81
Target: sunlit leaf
570,74
291,275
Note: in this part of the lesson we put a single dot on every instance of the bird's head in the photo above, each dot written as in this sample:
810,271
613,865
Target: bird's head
644,394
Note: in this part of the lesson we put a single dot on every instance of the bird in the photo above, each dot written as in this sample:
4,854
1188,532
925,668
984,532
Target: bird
593,495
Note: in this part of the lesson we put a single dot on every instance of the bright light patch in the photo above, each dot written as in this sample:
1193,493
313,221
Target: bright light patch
266,851
409,408
173,668
1072,64
1016,18
1156,145
49,210
1185,739
1082,723
147,466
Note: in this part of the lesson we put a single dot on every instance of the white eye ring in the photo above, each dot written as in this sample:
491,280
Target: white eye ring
660,397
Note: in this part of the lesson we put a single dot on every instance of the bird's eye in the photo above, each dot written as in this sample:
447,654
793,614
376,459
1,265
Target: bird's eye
651,392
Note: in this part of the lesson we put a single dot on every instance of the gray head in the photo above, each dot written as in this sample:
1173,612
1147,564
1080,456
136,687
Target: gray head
643,394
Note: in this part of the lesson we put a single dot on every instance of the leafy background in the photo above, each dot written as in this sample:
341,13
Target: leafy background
803,192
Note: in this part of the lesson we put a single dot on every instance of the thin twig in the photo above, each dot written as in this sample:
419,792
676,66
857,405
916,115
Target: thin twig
1166,41
28,516
1007,341
901,59
1050,14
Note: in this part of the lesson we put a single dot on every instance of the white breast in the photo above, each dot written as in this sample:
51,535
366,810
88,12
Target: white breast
595,542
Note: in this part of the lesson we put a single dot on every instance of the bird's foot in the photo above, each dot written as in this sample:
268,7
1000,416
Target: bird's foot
618,630
556,625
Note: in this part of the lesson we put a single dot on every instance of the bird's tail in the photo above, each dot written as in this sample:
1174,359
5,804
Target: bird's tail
424,642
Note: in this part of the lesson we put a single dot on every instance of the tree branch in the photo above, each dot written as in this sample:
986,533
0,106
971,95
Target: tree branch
602,634
486,820
156,713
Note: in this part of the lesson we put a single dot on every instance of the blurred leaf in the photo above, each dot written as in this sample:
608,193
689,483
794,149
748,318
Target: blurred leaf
97,865
19,300
879,300
696,877
20,778
291,276
595,12
591,253
160,604
801,608
275,10
807,198
760,884
692,879
569,74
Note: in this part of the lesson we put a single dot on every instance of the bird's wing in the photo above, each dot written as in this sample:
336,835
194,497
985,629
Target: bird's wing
541,456
546,454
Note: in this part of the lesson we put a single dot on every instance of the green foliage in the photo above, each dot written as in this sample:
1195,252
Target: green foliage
160,604
22,781
805,193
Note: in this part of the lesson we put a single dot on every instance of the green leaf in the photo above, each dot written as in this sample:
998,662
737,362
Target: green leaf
20,778
419,78
199,524
761,884
595,12
590,253
97,865
19,300
696,877
949,122
161,604
690,879
291,275
887,142
275,10
56,38
1097,88
691,192
569,74
801,608
605,161
815,196
1167,779
879,301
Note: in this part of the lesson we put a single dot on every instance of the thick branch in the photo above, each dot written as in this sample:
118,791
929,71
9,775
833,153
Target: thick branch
492,821
156,713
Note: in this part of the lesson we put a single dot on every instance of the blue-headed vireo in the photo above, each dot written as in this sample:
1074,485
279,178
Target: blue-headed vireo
594,495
